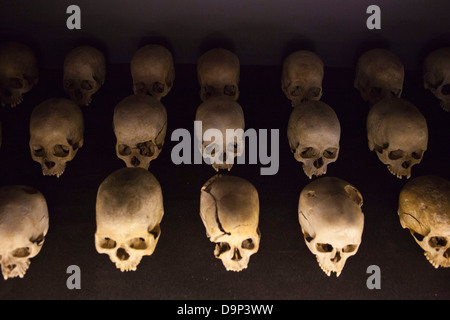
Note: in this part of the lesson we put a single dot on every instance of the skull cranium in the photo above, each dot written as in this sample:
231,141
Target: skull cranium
437,75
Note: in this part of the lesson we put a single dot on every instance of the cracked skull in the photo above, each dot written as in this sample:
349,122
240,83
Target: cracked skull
153,71
332,222
221,138
84,73
56,134
424,209
302,76
18,72
398,134
229,209
129,210
379,74
23,227
140,125
314,133
218,72
437,75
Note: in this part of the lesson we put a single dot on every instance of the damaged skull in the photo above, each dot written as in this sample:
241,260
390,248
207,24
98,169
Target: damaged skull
332,222
129,210
398,133
84,73
18,72
314,133
221,139
140,124
218,72
437,75
424,209
153,71
23,227
229,209
379,74
56,134
302,76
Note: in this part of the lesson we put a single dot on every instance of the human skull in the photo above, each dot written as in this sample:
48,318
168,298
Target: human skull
437,75
424,209
23,227
302,76
379,74
332,222
56,134
398,133
222,118
153,71
218,72
140,125
18,72
229,209
314,133
129,210
84,73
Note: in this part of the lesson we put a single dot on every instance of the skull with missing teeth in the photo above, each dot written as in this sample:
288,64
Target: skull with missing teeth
314,133
18,72
218,73
379,74
221,138
332,222
129,210
56,134
424,209
140,125
302,76
398,133
437,75
229,208
23,227
84,73
153,71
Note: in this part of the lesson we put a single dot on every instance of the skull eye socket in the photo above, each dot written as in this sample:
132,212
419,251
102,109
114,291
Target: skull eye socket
418,236
437,242
248,244
107,243
38,151
38,240
124,150
155,232
296,91
380,149
15,83
223,247
158,87
211,149
140,88
324,247
350,248
417,155
314,92
395,155
21,252
147,148
330,153
61,151
446,89
308,152
69,84
208,91
229,90
137,244
87,85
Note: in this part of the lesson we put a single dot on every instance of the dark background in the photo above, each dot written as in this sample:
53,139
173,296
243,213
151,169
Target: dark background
183,265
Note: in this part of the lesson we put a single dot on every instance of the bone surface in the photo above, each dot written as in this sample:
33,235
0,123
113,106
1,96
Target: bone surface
24,223
437,75
424,209
153,71
18,72
332,221
229,209
129,211
84,73
398,133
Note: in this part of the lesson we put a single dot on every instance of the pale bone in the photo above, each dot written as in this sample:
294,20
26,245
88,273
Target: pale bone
437,75
84,73
218,72
424,209
398,133
140,125
18,72
24,223
56,134
314,133
153,71
332,221
129,210
221,113
229,209
302,76
379,74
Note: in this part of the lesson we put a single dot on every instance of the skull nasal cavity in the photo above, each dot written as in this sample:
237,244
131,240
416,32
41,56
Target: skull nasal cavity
237,255
318,163
135,161
122,254
49,164
337,257
406,164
